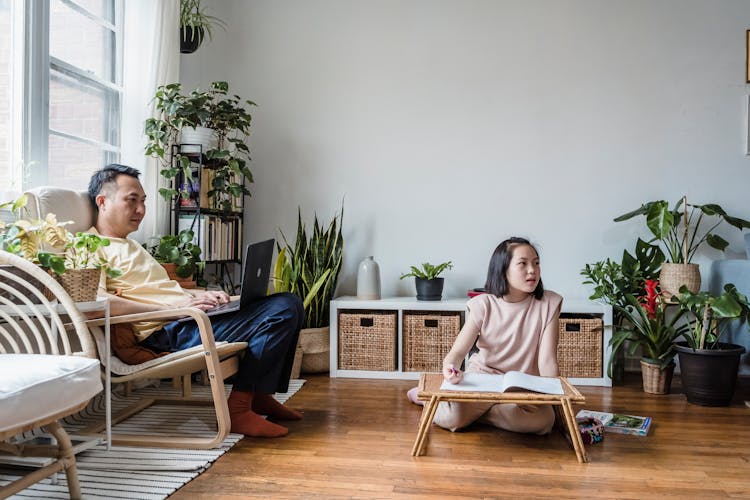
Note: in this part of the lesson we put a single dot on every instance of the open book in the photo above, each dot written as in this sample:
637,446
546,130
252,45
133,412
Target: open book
511,381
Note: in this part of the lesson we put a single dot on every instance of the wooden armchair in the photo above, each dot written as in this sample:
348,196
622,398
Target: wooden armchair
217,361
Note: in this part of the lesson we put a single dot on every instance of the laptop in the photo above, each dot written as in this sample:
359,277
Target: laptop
255,273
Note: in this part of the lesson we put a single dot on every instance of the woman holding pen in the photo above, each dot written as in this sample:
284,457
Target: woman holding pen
515,327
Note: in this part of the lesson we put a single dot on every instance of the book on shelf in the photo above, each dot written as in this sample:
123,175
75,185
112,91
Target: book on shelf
510,381
619,422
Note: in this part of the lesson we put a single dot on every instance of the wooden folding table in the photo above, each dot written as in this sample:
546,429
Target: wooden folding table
432,395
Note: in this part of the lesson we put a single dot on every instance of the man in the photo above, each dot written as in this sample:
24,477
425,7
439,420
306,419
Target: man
270,325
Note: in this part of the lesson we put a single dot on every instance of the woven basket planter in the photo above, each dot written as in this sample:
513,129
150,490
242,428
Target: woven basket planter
81,284
656,380
316,348
673,276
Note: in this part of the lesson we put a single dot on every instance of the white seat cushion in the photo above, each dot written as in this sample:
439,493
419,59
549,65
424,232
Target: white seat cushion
36,386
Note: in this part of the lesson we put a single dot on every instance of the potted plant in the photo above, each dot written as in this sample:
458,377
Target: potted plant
78,268
228,119
681,231
429,285
612,281
709,366
650,327
311,269
179,256
195,23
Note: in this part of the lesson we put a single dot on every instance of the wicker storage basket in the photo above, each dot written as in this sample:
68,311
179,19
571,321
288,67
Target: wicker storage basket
367,340
428,336
579,349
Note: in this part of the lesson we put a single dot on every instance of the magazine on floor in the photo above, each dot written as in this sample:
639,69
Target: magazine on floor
619,422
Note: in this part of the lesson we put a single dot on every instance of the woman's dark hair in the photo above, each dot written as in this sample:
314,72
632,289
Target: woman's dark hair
497,283
108,175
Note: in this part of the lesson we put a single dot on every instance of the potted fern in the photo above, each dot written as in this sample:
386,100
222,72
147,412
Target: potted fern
426,278
310,269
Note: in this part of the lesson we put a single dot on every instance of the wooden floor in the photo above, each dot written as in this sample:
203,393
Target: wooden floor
356,438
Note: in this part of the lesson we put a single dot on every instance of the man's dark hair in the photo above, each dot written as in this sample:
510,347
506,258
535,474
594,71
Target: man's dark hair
108,175
497,282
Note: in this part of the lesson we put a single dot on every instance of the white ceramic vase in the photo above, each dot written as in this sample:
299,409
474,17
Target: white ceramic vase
192,139
368,279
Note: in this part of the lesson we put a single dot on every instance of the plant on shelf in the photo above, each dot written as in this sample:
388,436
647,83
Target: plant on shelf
709,366
650,327
427,281
177,250
680,231
228,120
195,24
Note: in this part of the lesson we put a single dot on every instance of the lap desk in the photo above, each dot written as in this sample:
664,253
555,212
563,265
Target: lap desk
431,393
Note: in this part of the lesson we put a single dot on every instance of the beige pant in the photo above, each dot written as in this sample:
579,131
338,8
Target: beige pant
531,419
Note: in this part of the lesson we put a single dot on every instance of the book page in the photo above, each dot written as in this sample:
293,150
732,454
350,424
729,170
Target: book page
488,382
476,382
519,380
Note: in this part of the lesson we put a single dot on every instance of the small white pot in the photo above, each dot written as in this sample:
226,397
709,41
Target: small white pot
191,139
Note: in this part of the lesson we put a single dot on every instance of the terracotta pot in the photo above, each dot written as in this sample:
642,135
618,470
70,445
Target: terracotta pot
172,273
673,276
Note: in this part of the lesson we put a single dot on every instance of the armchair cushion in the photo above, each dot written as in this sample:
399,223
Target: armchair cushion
34,387
66,204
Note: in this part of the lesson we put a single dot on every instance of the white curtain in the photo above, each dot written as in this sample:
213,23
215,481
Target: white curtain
151,57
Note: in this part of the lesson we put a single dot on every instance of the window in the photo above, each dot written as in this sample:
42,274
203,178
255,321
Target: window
11,44
70,77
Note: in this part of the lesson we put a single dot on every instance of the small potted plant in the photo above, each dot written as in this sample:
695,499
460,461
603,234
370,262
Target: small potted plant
78,268
195,24
709,366
311,269
681,231
649,327
429,285
179,256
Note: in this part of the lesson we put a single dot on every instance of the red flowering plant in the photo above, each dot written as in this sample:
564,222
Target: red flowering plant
649,325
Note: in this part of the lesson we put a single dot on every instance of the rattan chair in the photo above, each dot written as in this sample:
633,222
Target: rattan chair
217,361
45,374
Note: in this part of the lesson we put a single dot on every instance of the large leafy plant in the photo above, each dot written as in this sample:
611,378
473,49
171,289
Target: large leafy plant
28,237
428,271
712,314
681,230
310,268
227,115
177,249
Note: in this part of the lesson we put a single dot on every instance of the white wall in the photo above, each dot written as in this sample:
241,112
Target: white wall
448,126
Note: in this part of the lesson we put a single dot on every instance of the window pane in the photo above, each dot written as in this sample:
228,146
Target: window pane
71,163
101,8
80,41
79,109
6,92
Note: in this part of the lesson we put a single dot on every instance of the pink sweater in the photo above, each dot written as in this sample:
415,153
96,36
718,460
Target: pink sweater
510,333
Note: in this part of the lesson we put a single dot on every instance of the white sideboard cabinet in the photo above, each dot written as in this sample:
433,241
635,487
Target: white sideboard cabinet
386,338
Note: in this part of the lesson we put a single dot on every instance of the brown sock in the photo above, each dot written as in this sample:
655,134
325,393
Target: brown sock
265,404
245,421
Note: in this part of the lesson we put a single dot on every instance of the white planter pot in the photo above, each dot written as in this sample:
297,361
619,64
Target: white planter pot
192,139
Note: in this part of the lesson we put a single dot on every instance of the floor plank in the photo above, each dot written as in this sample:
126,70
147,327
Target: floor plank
356,438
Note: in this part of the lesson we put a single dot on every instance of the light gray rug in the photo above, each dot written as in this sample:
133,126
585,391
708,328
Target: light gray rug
139,473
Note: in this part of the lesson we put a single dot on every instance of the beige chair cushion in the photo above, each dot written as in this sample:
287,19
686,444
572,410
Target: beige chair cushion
66,204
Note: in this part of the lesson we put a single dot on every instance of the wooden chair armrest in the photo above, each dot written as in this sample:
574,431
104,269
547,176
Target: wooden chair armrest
167,314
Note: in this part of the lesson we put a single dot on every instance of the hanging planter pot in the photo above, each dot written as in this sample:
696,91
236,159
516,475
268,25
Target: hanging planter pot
673,276
191,38
709,375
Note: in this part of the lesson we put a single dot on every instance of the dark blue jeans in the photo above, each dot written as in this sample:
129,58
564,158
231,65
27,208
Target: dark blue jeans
269,325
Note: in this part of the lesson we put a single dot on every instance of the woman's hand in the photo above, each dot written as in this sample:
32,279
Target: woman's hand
451,374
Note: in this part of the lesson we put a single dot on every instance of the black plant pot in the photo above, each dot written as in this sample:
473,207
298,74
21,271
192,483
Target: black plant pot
190,38
429,289
709,375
